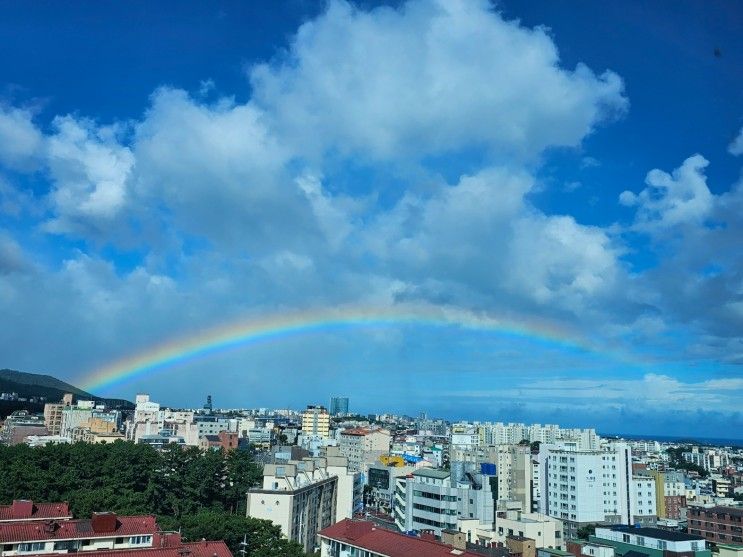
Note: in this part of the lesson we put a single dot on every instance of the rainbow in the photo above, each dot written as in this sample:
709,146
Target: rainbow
254,330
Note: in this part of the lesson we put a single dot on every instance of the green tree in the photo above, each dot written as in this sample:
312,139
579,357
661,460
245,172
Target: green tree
584,531
262,537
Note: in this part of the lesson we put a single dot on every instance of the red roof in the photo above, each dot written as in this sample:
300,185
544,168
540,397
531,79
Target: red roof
27,510
367,536
195,549
75,529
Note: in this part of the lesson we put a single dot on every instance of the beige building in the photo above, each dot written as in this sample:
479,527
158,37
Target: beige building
304,496
546,532
316,421
53,414
363,447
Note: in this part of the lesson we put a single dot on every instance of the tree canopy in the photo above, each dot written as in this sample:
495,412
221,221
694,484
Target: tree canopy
201,492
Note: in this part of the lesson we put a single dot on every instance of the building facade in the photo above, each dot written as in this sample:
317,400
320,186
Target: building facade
338,405
720,525
316,421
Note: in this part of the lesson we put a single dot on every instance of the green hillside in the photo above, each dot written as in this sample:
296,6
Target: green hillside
35,384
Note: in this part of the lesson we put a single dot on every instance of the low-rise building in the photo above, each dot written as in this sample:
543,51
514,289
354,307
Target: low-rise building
356,537
104,531
650,542
24,510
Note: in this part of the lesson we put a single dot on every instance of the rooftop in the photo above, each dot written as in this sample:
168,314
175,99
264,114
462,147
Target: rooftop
195,549
11,532
658,534
432,473
28,510
367,536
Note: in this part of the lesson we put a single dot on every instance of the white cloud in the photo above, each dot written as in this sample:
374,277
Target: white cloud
647,393
736,145
89,170
431,77
20,139
679,198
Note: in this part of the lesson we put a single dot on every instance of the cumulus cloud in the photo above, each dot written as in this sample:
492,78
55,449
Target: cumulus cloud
20,139
679,198
434,76
89,169
736,146
237,208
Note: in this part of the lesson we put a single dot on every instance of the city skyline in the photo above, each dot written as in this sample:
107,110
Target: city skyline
483,211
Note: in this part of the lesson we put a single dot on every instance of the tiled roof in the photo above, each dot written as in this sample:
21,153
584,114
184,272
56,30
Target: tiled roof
28,510
367,536
195,549
74,529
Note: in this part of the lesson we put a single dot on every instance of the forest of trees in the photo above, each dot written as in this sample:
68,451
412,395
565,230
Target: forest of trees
202,493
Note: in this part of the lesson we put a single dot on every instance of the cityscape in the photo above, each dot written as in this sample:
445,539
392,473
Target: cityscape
331,480
371,278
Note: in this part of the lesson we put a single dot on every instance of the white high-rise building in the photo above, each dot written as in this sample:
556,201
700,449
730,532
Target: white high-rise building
587,487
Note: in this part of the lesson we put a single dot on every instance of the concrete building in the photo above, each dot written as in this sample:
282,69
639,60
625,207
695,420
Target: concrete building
20,425
650,542
338,405
363,446
544,530
53,414
513,467
716,524
434,499
316,421
303,497
594,487
381,481
709,459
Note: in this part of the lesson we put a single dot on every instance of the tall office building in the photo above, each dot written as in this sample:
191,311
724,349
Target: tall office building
338,405
316,421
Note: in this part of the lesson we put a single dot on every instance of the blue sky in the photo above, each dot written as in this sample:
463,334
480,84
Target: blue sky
168,168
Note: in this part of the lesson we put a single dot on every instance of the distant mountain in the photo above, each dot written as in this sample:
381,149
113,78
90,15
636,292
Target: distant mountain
35,384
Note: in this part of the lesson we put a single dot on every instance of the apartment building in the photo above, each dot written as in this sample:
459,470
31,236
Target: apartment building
363,446
719,525
590,487
709,459
316,421
303,497
53,414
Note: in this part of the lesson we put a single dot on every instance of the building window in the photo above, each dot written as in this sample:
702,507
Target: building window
29,547
139,540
